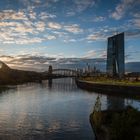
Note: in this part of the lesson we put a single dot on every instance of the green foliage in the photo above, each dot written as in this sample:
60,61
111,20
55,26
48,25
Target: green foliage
107,80
97,115
97,118
123,125
137,137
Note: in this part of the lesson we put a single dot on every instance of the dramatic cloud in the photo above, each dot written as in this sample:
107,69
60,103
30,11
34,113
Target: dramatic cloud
41,63
12,15
137,22
22,26
18,32
90,54
96,37
54,25
51,37
95,54
123,7
98,19
132,33
44,15
82,5
73,28
40,26
79,6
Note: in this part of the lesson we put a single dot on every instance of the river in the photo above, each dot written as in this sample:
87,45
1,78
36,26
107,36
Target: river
51,111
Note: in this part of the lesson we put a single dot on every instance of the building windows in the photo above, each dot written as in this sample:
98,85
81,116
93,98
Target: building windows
115,55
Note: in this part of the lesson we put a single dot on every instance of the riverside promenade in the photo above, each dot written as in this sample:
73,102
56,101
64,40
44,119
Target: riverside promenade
113,88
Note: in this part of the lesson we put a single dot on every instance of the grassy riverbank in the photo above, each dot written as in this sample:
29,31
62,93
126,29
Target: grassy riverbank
111,81
110,86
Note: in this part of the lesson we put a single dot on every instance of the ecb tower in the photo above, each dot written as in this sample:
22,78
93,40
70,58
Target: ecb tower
115,55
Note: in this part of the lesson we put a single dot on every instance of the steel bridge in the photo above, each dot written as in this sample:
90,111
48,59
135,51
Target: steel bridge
65,72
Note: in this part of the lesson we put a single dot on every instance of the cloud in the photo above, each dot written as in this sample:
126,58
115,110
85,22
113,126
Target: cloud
51,37
96,54
70,13
95,37
6,24
32,14
78,6
122,8
90,54
54,25
21,28
103,54
60,33
137,22
22,40
12,15
74,28
18,33
130,28
136,15
31,62
6,58
40,26
98,19
67,40
29,40
16,28
44,15
132,33
41,63
82,5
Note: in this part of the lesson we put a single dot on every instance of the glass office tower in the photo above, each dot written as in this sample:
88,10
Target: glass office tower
115,55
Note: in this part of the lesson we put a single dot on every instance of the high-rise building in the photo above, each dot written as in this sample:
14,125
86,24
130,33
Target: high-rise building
114,103
115,55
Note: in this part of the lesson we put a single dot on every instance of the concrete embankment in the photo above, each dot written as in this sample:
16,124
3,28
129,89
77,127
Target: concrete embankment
109,88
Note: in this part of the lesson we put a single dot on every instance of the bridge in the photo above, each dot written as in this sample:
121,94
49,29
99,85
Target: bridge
61,73
65,72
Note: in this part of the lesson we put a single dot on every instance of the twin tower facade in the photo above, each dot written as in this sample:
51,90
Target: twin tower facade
115,55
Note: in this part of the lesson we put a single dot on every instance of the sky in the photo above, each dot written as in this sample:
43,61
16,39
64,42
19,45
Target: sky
40,29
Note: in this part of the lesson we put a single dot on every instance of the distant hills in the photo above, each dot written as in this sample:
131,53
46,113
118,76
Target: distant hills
13,76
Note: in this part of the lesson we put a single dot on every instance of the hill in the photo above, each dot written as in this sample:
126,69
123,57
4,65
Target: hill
13,76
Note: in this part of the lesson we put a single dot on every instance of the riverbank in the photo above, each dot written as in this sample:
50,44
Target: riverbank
116,125
110,86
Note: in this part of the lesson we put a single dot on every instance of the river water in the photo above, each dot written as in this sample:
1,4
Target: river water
51,111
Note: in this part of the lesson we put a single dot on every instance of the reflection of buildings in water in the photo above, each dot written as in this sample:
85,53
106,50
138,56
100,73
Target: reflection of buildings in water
115,103
129,102
50,83
63,84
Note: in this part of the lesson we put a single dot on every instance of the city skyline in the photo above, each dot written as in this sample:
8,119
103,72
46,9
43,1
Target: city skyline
66,29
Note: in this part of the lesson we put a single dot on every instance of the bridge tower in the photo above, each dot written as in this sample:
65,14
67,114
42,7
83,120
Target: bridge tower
50,70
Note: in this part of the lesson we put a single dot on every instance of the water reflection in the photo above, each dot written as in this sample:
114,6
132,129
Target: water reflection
50,83
114,103
66,85
34,111
53,110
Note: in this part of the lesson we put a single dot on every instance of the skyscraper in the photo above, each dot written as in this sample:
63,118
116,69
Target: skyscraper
115,55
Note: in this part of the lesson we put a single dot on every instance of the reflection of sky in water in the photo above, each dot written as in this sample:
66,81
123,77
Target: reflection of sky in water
60,111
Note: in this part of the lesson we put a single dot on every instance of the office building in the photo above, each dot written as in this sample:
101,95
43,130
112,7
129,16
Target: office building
115,55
